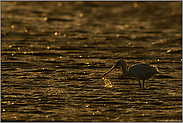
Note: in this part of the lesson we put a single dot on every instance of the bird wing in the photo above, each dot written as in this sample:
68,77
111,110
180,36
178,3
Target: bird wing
142,70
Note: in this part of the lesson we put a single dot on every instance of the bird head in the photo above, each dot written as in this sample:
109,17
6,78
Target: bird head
121,63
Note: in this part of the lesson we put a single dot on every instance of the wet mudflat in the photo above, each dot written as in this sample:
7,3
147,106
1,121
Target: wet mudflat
53,56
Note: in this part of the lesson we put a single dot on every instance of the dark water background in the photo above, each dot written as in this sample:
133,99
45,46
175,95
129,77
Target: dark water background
53,55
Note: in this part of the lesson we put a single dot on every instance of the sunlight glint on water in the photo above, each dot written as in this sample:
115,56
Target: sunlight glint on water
107,82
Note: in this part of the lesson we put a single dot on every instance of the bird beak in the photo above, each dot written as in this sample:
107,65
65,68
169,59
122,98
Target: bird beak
110,70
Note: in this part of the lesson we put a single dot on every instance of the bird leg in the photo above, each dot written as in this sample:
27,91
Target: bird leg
139,83
143,83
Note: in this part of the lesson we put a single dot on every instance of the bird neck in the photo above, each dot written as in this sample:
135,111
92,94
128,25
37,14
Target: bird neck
125,71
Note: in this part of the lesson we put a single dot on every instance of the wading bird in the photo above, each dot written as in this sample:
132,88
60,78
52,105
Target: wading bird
139,71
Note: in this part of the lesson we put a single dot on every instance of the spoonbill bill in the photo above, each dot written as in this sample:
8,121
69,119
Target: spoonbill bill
139,71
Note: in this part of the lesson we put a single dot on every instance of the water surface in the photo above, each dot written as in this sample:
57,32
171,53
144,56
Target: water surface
53,56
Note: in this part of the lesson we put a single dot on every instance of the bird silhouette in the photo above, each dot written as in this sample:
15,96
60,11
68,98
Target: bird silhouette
139,71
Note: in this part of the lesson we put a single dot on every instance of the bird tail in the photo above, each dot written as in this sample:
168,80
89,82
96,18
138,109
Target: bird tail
157,71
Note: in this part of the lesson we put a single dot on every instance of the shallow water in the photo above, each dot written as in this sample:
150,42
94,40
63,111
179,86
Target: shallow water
53,56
